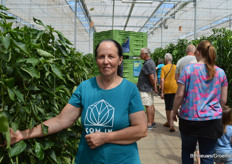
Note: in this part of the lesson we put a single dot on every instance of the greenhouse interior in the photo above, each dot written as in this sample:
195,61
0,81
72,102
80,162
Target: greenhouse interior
164,21
48,53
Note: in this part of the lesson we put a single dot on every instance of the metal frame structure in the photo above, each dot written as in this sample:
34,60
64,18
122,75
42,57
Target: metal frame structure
165,21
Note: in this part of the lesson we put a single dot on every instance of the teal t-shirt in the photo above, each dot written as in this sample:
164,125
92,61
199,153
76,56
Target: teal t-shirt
159,70
106,111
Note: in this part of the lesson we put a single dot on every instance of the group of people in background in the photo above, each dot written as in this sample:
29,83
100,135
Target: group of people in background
112,108
195,91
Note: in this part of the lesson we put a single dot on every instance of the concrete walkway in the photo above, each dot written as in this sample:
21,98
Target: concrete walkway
160,146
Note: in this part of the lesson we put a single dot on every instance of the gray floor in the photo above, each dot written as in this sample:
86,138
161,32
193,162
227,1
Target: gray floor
160,146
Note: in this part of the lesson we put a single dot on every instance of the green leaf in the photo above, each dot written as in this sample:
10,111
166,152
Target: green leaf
34,112
37,21
6,57
40,34
11,93
14,126
31,71
32,123
67,41
70,79
33,88
47,144
5,41
2,83
4,123
44,129
5,16
63,51
8,139
19,95
66,160
52,154
42,110
44,53
33,159
33,61
21,46
20,60
10,82
60,35
57,71
2,7
17,148
39,151
27,109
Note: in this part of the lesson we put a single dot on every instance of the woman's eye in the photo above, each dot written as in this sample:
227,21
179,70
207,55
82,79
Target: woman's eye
100,57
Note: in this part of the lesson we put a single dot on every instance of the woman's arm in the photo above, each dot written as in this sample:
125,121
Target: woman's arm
131,134
162,88
156,81
224,95
177,101
65,119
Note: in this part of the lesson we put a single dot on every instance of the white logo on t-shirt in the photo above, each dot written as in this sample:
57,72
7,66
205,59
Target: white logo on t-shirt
100,113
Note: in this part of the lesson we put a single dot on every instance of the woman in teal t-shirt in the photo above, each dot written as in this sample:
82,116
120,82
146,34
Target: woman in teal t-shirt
111,111
158,68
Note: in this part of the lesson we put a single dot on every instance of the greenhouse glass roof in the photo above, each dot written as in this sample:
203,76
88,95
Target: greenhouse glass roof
165,21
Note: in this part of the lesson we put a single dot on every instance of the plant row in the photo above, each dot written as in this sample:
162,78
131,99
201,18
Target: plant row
38,72
221,40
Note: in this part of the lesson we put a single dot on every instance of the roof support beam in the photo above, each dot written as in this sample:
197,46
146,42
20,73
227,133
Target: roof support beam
115,26
151,15
123,16
167,0
86,12
128,18
195,19
75,24
113,15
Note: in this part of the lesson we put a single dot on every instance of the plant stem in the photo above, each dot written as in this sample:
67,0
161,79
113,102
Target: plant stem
1,74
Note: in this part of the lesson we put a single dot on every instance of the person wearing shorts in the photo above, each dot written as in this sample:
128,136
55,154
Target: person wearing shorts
147,98
147,85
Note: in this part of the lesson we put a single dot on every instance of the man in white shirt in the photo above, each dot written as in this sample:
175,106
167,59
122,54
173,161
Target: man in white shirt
189,58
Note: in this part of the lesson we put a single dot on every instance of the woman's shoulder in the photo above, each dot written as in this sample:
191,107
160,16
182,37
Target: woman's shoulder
220,71
218,68
128,83
165,66
128,86
160,65
88,81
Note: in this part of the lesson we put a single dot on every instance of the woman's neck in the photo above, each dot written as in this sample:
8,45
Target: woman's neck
201,61
108,82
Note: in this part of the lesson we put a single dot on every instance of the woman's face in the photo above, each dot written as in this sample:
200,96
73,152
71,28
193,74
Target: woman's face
107,58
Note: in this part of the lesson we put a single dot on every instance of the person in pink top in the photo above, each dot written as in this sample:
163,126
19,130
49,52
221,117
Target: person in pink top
202,91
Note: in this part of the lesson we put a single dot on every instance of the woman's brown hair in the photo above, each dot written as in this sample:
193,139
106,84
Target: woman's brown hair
208,52
226,117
